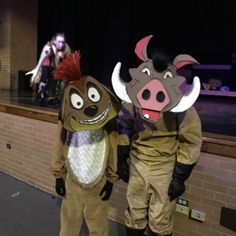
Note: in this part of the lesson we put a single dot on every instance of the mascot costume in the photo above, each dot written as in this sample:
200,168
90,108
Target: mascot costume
160,137
85,161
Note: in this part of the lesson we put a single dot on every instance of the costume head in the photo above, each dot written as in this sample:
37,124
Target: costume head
155,86
87,104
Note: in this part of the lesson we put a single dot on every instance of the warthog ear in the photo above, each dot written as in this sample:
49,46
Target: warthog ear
141,48
191,96
183,60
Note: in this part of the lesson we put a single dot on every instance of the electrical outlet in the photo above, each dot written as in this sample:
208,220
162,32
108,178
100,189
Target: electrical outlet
198,215
182,206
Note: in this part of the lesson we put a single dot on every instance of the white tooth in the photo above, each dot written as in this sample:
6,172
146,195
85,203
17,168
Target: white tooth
96,119
146,116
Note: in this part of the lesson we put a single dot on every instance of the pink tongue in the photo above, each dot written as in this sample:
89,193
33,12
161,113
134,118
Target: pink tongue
150,114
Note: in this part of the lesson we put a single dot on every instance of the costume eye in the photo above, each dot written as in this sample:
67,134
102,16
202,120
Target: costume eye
93,94
168,74
76,101
146,71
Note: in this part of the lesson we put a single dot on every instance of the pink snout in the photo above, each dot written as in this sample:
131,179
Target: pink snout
152,98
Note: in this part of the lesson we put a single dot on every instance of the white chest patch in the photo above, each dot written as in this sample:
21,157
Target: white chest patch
87,155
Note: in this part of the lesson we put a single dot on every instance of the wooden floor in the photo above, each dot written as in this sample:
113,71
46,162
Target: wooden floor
23,104
25,98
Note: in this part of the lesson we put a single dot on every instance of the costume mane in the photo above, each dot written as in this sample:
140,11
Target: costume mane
69,70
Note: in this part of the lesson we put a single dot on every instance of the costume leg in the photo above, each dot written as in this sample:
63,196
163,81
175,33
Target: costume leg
51,87
53,99
71,216
60,90
160,207
71,210
138,199
96,212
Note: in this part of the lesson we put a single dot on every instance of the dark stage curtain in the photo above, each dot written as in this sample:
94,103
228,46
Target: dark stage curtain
106,31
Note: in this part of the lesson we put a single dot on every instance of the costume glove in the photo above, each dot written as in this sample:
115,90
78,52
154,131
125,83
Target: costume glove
180,174
106,191
60,187
122,165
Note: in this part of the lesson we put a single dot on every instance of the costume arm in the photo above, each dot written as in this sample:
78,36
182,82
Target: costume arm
190,138
190,141
111,168
126,124
57,167
44,54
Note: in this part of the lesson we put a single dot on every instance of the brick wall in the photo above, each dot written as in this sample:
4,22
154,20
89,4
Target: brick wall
5,17
31,144
211,185
18,40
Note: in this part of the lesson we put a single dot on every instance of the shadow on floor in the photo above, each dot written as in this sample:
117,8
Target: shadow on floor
28,211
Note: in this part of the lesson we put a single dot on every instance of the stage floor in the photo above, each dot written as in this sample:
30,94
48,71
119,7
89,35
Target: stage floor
218,113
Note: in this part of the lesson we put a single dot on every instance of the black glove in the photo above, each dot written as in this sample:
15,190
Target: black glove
60,187
180,174
122,165
106,191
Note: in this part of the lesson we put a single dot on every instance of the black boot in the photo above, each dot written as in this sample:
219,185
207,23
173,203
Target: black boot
135,232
